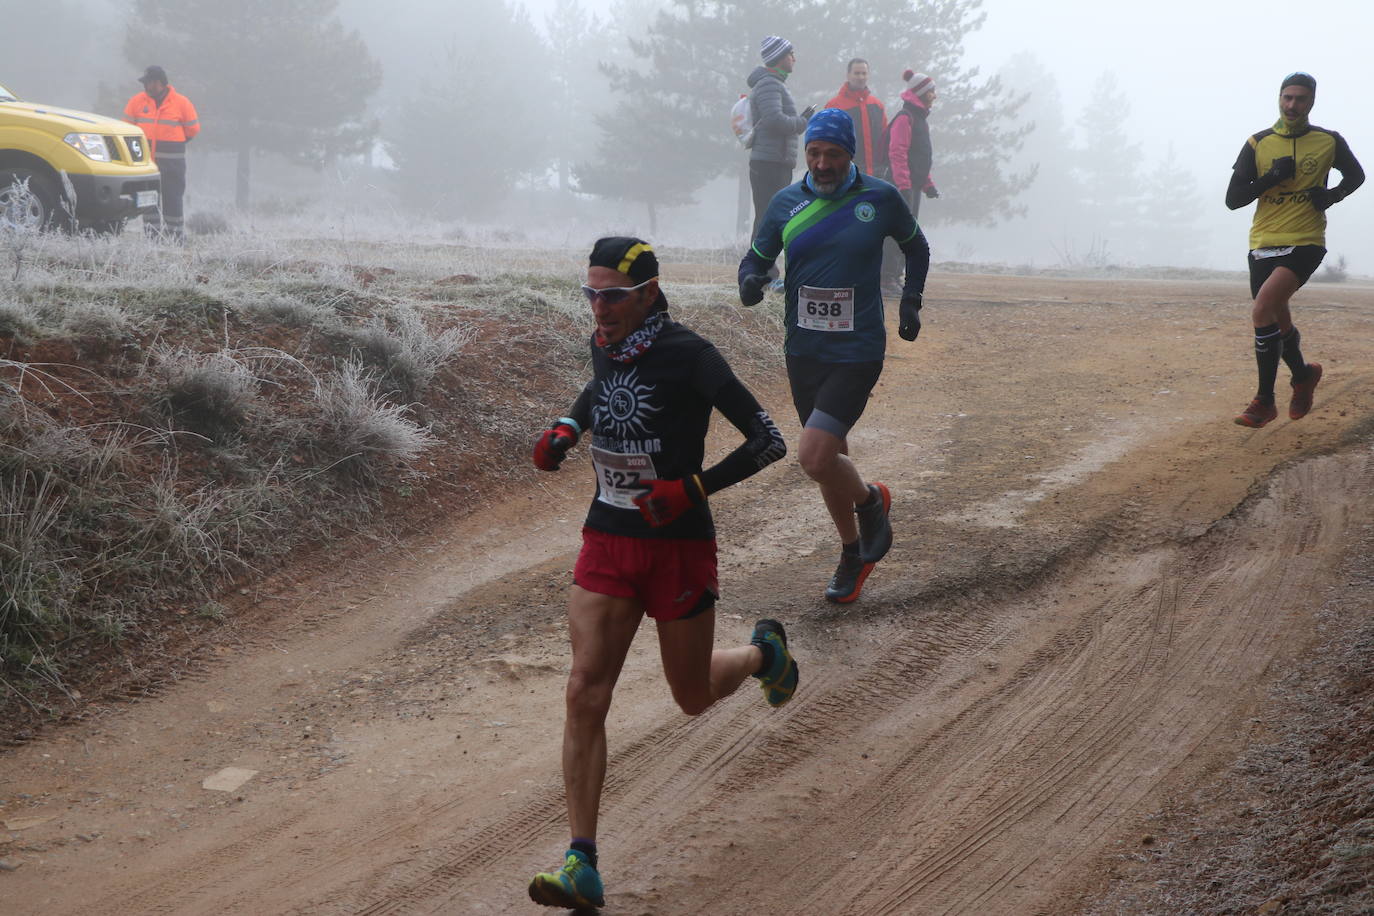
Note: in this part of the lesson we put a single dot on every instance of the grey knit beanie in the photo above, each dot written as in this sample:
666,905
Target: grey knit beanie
772,48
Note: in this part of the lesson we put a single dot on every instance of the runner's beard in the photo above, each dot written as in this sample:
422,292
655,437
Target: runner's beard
825,187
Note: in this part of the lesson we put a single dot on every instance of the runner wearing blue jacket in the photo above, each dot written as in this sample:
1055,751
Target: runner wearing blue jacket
832,225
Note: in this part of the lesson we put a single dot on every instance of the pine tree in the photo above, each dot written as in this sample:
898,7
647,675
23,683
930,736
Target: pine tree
58,50
1107,165
690,65
1170,208
264,75
571,31
669,132
477,124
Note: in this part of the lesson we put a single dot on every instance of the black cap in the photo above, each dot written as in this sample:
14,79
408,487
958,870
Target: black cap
1299,79
154,72
630,256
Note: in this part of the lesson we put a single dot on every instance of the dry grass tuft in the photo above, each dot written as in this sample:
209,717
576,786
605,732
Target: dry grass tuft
404,353
210,394
359,431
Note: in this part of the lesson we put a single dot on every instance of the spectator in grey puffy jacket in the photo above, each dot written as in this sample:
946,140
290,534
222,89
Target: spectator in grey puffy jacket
776,124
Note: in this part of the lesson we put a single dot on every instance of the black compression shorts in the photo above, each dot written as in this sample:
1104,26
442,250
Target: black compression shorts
1303,260
831,396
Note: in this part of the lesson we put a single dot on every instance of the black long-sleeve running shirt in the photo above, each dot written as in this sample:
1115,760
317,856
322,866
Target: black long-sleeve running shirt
649,418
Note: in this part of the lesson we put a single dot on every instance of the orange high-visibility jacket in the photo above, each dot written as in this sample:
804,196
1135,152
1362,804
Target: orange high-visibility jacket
167,126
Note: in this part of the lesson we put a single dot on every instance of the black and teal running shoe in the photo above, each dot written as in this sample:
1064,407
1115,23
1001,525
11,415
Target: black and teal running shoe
779,682
575,886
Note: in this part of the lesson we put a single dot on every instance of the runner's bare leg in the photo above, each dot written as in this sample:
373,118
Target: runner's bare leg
601,628
824,457
698,674
1271,305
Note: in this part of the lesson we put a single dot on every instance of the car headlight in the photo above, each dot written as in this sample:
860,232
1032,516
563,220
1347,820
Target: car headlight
92,146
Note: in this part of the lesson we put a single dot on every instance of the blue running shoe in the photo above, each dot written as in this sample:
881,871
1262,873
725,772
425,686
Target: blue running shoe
779,682
575,886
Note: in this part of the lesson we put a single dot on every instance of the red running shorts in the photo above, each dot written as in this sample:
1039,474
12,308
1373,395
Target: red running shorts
672,579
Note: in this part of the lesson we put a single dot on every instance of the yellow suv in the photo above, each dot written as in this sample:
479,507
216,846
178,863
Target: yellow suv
109,176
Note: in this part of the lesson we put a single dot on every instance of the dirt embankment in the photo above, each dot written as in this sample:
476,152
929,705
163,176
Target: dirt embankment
1096,581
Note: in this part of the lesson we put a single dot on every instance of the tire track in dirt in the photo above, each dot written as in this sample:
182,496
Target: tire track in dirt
720,756
1068,762
695,751
1082,726
962,751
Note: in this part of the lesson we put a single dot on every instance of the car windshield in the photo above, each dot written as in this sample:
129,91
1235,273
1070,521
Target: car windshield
6,95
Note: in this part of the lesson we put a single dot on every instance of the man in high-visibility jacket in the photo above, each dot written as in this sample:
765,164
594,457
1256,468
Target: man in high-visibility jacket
169,121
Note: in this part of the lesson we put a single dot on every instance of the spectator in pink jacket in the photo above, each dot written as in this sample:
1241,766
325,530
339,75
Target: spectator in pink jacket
909,154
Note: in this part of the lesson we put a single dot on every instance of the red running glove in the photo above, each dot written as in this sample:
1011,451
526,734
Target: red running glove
665,500
553,446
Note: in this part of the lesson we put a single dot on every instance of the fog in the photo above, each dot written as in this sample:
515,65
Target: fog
1193,81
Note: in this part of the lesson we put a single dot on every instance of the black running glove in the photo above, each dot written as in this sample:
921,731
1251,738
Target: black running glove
909,316
1281,169
931,191
751,288
1322,198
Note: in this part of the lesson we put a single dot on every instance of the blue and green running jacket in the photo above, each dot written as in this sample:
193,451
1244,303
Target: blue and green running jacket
834,246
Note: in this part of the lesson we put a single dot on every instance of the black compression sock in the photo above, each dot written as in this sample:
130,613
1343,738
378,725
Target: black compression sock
851,549
587,848
1293,356
1268,346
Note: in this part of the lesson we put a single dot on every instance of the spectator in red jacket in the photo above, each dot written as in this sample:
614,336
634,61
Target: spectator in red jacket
869,117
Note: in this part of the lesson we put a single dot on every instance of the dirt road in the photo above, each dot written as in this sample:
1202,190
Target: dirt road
1095,579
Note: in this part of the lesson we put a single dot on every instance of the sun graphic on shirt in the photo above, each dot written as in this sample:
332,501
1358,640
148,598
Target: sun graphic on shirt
622,406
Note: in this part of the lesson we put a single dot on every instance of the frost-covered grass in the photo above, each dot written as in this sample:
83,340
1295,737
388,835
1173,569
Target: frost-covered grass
156,440
174,419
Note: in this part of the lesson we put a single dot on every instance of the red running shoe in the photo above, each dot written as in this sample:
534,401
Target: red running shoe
1257,414
1303,391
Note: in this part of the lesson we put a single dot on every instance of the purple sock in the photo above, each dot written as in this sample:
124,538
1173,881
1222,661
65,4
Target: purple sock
586,847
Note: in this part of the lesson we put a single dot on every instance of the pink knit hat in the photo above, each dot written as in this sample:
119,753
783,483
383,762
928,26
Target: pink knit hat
919,83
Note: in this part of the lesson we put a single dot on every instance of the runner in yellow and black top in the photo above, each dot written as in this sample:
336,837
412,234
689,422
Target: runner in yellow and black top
1285,168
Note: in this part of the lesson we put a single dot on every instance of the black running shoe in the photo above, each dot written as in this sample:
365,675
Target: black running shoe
849,578
875,531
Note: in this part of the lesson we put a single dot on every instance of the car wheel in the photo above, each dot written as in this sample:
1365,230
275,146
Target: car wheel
35,207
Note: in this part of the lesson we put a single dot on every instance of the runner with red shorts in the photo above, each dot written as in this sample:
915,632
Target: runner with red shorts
648,544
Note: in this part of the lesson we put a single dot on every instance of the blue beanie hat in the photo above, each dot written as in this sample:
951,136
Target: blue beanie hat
833,126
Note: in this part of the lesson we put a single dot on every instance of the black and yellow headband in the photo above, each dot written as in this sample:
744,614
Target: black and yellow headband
632,257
